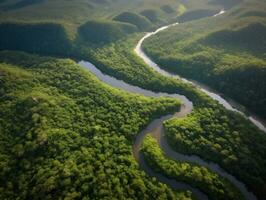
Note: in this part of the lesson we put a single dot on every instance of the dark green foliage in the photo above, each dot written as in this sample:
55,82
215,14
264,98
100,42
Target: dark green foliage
226,121
99,1
140,21
64,134
225,139
251,38
105,31
210,183
72,13
231,60
226,4
35,38
235,76
23,3
254,14
168,9
196,14
150,14
120,66
2,1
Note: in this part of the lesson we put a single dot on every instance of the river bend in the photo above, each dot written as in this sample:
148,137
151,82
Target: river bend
156,127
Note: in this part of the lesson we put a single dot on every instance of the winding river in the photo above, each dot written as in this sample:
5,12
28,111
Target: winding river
233,106
156,127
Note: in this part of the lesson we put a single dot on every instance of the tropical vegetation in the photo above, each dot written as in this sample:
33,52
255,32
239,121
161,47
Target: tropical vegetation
66,135
226,52
210,183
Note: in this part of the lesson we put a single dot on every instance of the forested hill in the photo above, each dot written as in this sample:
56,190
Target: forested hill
60,27
225,52
72,14
64,134
64,28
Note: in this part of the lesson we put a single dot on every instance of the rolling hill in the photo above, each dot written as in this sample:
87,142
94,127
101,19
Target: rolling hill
225,52
65,134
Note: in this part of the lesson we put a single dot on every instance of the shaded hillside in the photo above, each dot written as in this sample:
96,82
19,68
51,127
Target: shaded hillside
23,3
132,18
225,52
105,31
73,13
168,9
226,4
66,135
51,39
36,38
196,14
151,14
251,38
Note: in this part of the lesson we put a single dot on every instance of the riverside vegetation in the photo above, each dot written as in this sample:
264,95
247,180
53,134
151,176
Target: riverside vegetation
220,129
214,186
226,53
64,134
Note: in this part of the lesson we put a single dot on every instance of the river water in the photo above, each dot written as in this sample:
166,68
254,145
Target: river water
156,127
214,95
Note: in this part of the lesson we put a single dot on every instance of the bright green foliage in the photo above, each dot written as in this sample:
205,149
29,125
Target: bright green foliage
123,58
223,139
127,66
225,52
64,134
213,185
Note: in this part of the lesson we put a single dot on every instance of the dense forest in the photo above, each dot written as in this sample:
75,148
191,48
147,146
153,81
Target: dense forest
222,139
226,52
201,177
64,134
46,38
221,123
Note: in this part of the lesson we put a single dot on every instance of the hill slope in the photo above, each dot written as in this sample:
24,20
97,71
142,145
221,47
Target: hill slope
66,135
71,14
139,21
225,52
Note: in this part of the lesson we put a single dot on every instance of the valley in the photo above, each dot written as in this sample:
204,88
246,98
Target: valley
116,100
